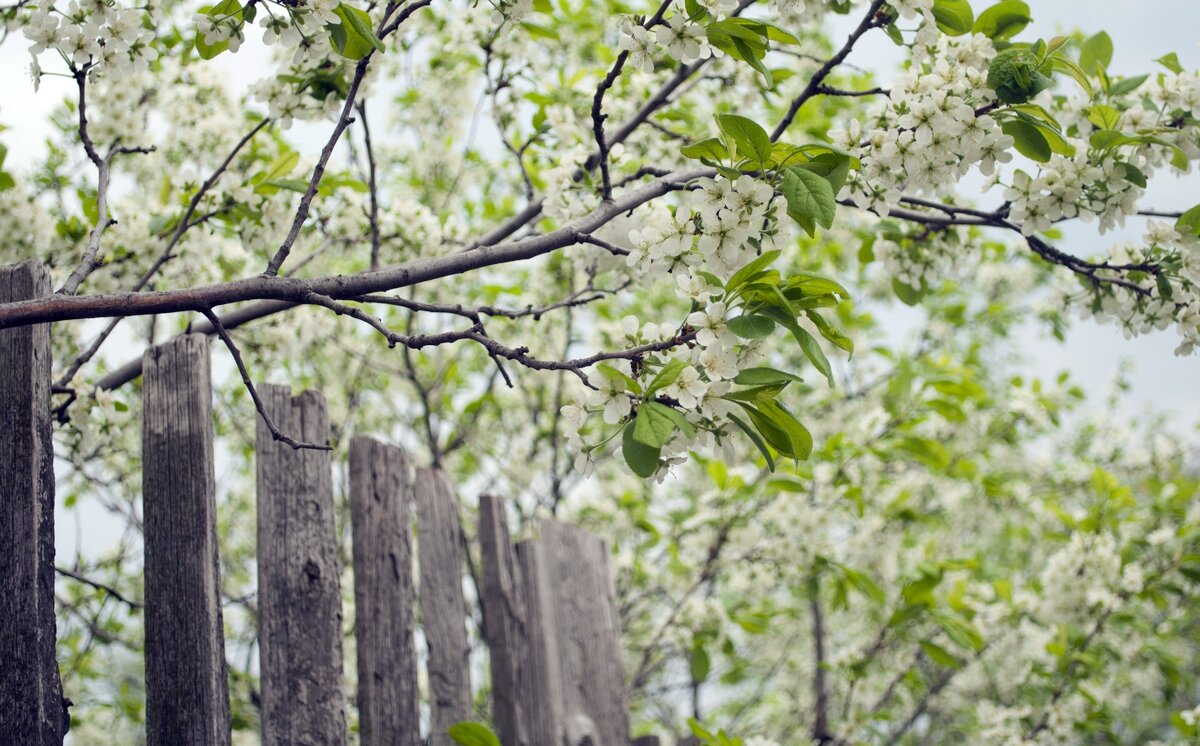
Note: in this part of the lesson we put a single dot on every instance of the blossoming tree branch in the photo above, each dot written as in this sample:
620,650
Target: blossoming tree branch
660,243
716,199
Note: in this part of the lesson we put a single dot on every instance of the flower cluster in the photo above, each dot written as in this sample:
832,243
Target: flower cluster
928,134
1171,299
682,38
92,36
1068,187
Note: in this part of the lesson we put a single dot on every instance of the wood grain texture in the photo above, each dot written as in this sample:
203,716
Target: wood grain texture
187,701
589,636
443,611
299,590
381,521
31,705
541,692
503,623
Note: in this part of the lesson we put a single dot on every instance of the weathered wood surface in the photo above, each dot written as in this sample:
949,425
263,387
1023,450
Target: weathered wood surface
381,521
503,623
187,701
443,611
299,589
541,693
31,705
589,645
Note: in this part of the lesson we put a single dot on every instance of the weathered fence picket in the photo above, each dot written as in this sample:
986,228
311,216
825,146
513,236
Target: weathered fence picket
299,588
31,703
541,692
504,620
187,701
443,610
589,634
380,497
550,618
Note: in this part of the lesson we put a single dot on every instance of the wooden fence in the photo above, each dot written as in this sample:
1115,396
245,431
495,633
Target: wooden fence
549,612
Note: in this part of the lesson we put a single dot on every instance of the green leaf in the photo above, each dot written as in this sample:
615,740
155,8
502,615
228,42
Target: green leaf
798,436
651,427
353,37
642,459
961,632
828,331
755,439
864,584
940,655
1095,53
750,138
1028,140
908,295
1104,117
764,377
711,149
1171,62
953,17
751,326
675,416
666,376
1188,224
279,168
1061,64
756,393
473,734
1126,85
617,376
6,181
833,167
750,269
1003,20
810,198
222,11
1109,139
700,663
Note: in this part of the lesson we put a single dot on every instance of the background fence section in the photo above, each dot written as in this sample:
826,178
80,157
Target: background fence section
550,617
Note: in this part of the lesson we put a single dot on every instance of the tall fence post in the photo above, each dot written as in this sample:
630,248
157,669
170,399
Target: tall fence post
31,703
381,521
299,589
187,700
541,692
503,622
589,643
443,610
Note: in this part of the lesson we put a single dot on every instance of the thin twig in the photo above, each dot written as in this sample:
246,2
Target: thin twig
262,412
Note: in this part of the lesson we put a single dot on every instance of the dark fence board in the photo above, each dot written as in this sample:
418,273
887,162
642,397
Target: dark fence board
443,611
31,705
541,691
381,520
299,589
187,701
503,623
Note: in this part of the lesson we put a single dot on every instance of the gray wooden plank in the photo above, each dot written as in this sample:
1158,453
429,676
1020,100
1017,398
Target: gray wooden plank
31,704
187,701
299,589
503,622
381,521
589,635
443,610
541,690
